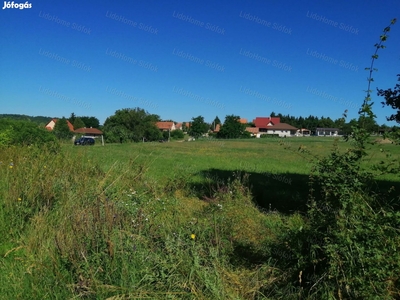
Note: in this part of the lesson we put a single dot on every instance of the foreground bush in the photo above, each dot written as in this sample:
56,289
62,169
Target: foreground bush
18,132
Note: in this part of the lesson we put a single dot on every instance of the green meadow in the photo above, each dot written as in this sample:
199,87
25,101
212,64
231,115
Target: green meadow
278,168
207,219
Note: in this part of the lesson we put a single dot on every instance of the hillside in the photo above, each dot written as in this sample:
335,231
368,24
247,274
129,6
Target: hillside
36,119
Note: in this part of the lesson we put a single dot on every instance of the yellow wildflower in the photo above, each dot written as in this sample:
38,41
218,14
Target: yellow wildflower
19,199
192,236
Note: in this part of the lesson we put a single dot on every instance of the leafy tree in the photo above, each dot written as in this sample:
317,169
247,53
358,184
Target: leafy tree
90,121
184,127
131,125
369,124
78,123
61,129
198,127
177,134
232,128
72,118
392,99
166,135
215,123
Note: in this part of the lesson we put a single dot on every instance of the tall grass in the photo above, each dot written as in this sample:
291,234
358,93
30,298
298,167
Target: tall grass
102,223
70,229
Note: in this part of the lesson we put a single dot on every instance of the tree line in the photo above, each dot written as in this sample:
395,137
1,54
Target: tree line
136,124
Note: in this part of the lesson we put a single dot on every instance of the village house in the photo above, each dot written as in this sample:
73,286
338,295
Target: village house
271,125
52,123
326,131
254,131
303,132
166,126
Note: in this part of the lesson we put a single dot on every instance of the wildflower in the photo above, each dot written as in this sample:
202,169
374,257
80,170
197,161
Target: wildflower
19,199
192,236
11,167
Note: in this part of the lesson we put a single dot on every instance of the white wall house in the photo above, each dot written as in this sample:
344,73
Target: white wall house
281,129
326,131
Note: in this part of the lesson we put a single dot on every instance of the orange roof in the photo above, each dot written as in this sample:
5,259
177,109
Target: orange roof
253,129
243,121
164,125
88,131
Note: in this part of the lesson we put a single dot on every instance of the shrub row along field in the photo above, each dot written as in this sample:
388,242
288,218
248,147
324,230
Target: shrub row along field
183,220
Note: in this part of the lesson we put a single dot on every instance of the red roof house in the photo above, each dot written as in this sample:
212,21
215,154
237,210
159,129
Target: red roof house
264,122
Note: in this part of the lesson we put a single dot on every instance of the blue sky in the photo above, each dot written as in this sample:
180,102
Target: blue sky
181,59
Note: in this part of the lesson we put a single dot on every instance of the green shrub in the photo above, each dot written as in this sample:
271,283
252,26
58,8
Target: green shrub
16,132
269,136
177,134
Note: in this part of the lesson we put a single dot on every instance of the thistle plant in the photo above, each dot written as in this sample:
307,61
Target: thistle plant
360,134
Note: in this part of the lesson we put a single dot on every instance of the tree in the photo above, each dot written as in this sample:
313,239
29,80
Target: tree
177,134
392,99
131,125
215,123
72,118
78,123
90,121
198,127
61,129
184,127
369,124
233,129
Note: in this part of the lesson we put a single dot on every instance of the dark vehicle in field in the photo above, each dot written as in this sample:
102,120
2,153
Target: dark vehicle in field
84,141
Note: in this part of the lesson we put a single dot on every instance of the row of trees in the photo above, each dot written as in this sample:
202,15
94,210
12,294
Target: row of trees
133,125
139,125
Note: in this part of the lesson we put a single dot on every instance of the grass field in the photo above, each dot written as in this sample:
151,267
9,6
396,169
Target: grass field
278,170
177,220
